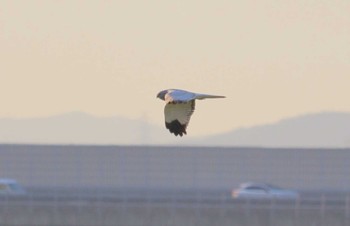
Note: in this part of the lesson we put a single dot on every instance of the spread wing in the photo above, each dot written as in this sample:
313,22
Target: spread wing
177,116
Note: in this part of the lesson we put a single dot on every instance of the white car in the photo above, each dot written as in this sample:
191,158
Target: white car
11,187
263,191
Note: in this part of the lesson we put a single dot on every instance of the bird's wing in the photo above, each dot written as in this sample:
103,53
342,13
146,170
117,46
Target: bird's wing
177,116
177,95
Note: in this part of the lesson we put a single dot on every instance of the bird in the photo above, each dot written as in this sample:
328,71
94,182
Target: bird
180,105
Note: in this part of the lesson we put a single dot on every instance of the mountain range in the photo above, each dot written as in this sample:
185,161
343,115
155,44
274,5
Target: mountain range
323,130
320,130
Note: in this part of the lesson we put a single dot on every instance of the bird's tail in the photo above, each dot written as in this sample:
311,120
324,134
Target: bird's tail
200,96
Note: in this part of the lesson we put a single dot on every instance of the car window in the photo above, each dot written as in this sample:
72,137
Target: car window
15,187
255,188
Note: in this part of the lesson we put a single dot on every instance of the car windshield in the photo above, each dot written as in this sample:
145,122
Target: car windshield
260,186
254,188
15,187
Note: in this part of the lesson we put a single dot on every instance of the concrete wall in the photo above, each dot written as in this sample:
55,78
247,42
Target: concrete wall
174,167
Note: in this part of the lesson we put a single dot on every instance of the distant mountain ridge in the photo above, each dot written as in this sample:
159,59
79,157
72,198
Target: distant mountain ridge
324,130
78,128
327,129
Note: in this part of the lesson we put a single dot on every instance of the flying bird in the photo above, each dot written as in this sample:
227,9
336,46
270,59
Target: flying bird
180,105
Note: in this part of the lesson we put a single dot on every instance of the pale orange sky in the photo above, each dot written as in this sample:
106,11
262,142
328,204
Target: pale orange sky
272,59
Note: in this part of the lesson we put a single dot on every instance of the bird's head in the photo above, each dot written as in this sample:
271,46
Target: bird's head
161,94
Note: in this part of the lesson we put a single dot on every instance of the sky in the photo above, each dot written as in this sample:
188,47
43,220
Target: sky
272,59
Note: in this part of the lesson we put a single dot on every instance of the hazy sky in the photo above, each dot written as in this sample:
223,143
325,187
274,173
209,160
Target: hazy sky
272,59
